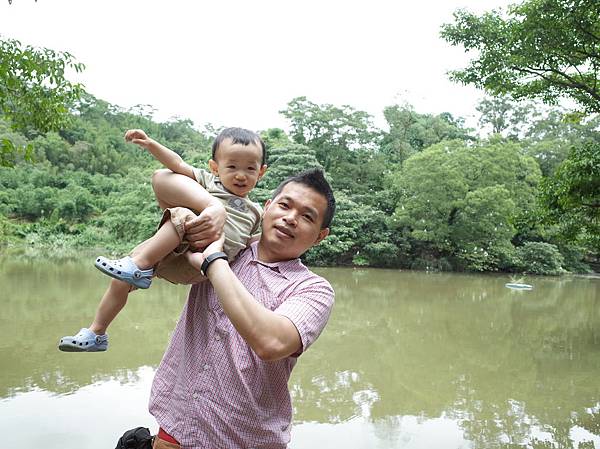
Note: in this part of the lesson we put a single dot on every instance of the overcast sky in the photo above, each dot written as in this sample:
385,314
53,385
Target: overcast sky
237,63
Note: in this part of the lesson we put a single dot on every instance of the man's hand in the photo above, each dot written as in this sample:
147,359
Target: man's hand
196,259
138,137
206,227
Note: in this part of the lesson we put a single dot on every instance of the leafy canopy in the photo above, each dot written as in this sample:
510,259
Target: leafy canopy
572,195
547,49
34,93
462,201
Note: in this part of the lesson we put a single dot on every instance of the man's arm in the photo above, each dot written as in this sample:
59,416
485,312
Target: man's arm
164,155
270,335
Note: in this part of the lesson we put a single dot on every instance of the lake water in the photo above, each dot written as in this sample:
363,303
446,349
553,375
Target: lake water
408,360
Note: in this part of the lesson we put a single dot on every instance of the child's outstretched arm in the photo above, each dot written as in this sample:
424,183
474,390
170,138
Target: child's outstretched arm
164,155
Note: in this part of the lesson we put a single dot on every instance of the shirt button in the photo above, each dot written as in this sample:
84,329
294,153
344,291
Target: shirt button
206,367
217,337
195,395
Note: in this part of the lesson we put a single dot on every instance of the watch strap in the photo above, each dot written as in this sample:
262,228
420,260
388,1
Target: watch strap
210,259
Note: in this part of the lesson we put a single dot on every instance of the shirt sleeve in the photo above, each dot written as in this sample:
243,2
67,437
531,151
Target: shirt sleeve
309,309
204,178
257,229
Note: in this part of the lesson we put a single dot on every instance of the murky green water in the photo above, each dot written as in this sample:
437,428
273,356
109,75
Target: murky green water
409,360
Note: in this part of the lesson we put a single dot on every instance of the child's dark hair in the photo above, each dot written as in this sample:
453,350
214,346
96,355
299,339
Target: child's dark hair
242,136
315,179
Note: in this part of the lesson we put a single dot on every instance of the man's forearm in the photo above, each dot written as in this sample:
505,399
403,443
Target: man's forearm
270,335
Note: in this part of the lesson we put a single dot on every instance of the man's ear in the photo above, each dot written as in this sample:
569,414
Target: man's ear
322,234
214,168
262,171
267,203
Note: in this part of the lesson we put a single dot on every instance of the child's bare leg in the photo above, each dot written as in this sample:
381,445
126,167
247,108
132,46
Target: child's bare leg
145,256
157,247
112,302
172,189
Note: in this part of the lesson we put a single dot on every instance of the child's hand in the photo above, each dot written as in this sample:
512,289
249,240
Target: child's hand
138,137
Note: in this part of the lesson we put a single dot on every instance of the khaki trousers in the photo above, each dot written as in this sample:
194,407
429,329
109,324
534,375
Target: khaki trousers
162,444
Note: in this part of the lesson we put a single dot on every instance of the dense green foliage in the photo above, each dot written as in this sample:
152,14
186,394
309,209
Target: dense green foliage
572,195
35,96
548,49
462,202
88,187
425,194
539,258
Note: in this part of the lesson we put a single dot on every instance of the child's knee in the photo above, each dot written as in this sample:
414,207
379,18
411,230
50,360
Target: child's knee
158,182
159,175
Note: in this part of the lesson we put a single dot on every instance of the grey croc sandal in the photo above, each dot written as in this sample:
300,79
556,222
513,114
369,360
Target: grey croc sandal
125,270
84,341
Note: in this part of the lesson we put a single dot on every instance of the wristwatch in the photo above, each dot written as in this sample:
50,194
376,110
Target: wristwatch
210,259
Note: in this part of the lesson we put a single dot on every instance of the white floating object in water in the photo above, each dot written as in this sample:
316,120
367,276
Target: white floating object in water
516,286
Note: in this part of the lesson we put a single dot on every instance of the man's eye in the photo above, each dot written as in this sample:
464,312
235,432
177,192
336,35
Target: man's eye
252,168
308,217
231,166
284,205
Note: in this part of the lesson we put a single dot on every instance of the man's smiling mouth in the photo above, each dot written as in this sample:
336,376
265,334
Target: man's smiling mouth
283,230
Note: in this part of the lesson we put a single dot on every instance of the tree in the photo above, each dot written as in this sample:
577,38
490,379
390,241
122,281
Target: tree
332,131
463,203
505,116
549,50
546,49
275,137
411,132
360,235
283,162
550,137
572,195
540,258
34,93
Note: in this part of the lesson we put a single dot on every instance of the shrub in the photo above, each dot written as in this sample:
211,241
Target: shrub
540,258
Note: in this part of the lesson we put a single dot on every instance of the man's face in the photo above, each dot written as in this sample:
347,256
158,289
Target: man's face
292,223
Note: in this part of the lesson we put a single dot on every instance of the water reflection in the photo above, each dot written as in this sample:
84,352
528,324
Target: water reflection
503,364
91,417
408,359
41,301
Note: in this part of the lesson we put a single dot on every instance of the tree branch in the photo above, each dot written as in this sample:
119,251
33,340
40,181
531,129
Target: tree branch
572,83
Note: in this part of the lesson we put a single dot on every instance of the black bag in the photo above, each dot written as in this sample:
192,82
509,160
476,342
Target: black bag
138,438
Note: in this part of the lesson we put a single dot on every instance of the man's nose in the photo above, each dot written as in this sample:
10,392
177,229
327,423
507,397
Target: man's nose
240,175
291,218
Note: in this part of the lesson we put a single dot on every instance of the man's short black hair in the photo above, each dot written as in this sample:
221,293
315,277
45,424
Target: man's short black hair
241,136
315,179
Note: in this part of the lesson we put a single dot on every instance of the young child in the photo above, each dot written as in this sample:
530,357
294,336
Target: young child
237,164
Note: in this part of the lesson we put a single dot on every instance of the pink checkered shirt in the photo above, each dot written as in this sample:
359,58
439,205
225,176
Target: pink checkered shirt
211,391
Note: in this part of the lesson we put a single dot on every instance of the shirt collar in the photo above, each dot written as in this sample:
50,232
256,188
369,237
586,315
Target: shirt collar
284,267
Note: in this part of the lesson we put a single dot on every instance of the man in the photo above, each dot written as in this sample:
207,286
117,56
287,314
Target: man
222,382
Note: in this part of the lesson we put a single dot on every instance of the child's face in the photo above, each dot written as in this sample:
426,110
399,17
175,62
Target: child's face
238,166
